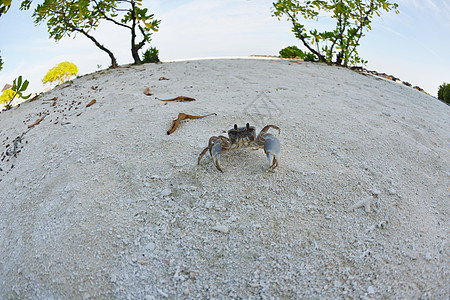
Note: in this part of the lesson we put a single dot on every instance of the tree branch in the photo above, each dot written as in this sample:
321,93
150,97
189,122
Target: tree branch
97,7
305,43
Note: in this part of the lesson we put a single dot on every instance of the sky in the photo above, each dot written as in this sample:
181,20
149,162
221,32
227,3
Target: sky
413,45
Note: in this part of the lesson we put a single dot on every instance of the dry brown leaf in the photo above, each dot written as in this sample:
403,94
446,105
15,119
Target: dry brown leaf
180,99
163,78
147,92
37,121
91,103
181,117
34,98
53,99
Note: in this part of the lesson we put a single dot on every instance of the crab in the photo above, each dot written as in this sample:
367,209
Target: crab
244,137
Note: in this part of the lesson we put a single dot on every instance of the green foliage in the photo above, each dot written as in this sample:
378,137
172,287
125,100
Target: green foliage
17,89
61,73
352,19
4,6
150,56
66,18
444,92
310,57
293,52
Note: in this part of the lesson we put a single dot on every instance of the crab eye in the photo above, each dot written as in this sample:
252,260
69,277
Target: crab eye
235,126
248,125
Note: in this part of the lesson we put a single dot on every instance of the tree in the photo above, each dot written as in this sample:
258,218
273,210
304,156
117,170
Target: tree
352,18
65,18
135,18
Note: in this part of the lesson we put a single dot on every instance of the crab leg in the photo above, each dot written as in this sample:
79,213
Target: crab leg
266,128
216,146
215,154
272,150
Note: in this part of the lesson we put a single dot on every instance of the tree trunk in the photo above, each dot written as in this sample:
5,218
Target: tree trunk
100,46
134,49
110,54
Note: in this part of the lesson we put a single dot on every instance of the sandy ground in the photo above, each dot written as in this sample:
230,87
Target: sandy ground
99,202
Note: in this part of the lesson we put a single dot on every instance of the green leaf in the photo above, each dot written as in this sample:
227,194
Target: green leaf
24,86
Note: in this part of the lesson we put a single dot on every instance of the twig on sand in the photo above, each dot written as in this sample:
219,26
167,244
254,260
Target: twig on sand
183,116
37,121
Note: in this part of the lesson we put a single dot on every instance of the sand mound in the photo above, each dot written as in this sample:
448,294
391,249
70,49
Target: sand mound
100,202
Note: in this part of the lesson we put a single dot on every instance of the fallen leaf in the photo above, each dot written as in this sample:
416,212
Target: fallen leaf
91,103
180,99
181,117
34,98
163,78
94,87
147,92
37,121
53,99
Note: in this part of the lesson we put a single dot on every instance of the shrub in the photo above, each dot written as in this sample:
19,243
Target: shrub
150,56
17,89
293,52
310,57
444,92
61,73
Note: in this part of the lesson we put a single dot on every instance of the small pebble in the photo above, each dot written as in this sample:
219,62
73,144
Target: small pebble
257,226
150,246
220,228
370,290
300,193
166,192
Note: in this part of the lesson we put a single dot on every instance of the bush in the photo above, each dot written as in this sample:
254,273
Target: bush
310,57
61,73
444,92
294,52
150,56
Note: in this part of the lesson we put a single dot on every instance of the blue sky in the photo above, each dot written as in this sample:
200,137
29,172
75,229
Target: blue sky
413,45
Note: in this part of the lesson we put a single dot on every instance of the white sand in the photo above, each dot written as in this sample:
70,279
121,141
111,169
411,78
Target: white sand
109,206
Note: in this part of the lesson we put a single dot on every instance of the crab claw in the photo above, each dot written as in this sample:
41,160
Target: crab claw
215,154
272,150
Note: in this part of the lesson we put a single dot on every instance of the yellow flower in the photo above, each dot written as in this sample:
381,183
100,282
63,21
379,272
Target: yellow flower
7,96
61,73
